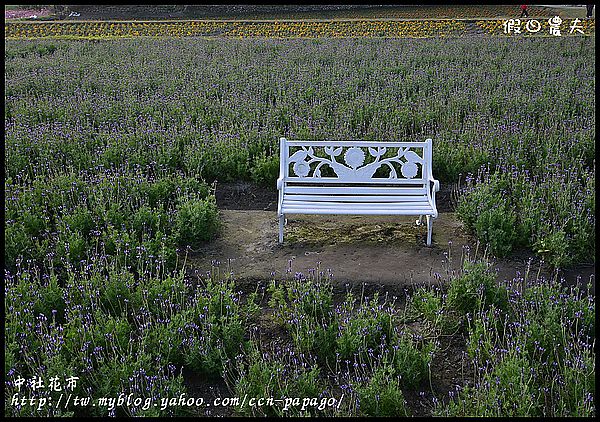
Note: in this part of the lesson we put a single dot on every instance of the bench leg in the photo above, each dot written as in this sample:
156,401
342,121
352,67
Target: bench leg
429,229
419,221
281,221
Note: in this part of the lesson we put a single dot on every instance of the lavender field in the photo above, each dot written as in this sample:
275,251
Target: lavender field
111,150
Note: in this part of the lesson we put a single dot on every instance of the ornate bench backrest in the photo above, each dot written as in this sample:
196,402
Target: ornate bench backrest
355,162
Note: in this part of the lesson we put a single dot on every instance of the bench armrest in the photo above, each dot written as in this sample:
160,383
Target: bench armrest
280,183
436,188
436,184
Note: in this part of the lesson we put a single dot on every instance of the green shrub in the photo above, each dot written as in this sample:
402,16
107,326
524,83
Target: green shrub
475,288
430,305
534,358
266,171
215,329
115,294
147,221
364,328
164,339
279,375
34,224
555,248
17,243
78,248
219,161
81,220
116,215
51,302
381,395
411,360
197,221
489,213
304,307
497,227
161,192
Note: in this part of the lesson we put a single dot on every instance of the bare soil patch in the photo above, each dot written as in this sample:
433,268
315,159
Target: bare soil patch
382,251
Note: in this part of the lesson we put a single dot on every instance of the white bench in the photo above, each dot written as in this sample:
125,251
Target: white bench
356,177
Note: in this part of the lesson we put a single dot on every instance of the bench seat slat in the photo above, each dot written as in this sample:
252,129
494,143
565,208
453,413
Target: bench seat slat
347,211
356,198
357,206
351,190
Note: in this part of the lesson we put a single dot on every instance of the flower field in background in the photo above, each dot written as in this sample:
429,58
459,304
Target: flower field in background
273,29
111,149
186,107
270,29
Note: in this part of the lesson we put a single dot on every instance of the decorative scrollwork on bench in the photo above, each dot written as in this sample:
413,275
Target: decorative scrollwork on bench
309,163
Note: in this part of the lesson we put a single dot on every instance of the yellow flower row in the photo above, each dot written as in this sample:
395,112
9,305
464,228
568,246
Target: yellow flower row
425,28
277,29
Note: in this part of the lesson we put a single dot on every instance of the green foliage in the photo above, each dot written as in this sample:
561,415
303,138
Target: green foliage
215,327
381,395
449,161
475,288
497,228
304,306
364,331
365,328
555,247
221,162
51,302
17,243
42,48
427,303
431,305
277,376
534,358
411,360
34,224
116,294
507,211
486,212
127,216
197,221
266,170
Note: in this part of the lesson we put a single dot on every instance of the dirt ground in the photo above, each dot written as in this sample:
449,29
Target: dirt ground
383,252
365,254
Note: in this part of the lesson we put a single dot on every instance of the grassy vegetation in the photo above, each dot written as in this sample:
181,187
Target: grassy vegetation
82,109
361,28
110,151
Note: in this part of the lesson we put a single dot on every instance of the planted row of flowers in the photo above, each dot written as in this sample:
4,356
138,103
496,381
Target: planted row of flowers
274,29
398,29
109,151
418,12
527,344
214,109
